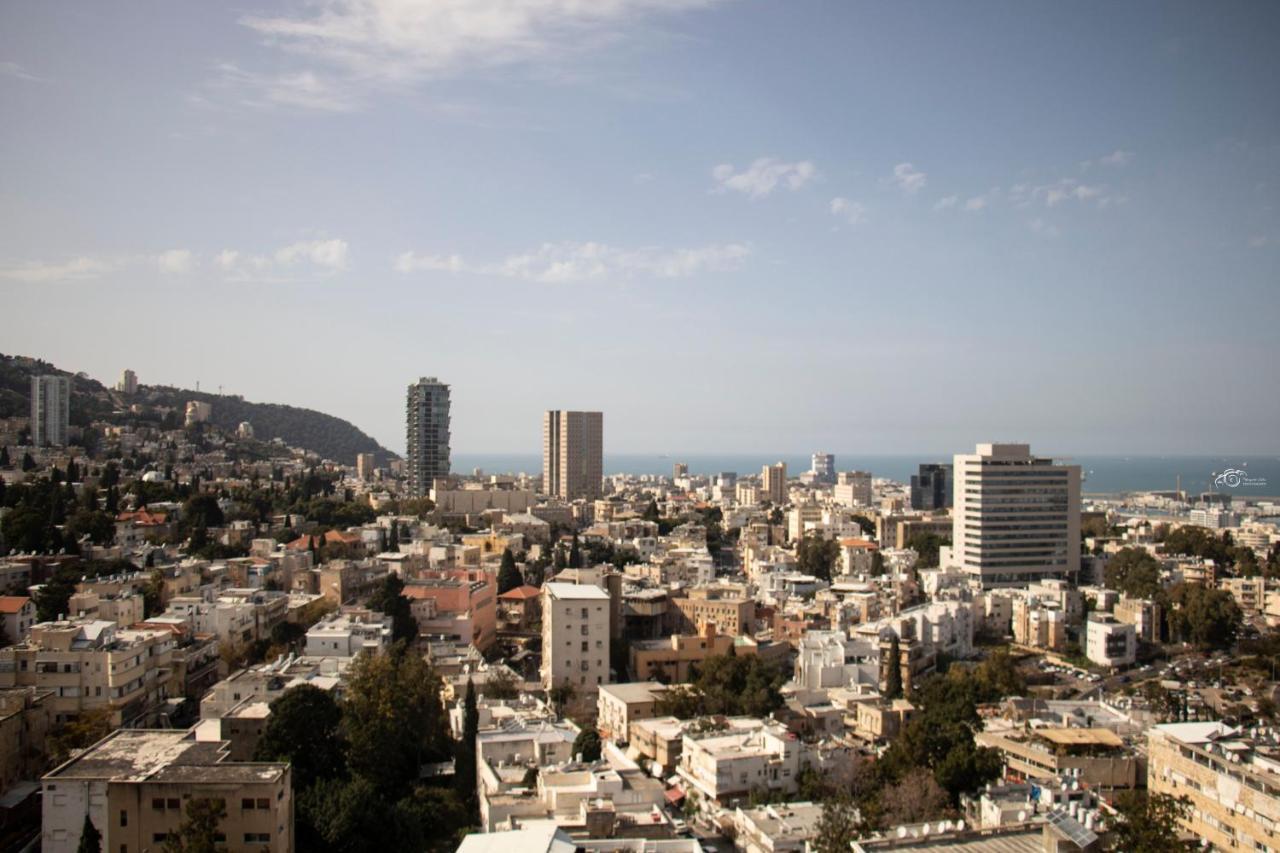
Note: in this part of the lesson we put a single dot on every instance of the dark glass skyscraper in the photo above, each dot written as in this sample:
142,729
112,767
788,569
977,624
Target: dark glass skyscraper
932,488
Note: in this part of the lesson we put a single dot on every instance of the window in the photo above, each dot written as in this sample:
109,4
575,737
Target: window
173,803
159,837
157,803
246,803
264,803
586,645
124,818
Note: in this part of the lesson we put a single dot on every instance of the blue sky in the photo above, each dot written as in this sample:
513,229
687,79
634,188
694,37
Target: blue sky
731,226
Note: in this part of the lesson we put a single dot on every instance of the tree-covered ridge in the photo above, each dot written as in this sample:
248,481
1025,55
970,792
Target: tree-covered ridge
331,437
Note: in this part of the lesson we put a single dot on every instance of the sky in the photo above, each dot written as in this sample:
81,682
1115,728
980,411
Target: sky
731,226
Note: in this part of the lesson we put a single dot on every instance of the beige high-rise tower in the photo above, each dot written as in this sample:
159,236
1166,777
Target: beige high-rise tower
572,454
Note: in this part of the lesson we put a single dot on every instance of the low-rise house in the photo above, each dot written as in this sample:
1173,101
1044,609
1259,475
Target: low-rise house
1110,642
346,635
17,615
778,828
620,705
728,766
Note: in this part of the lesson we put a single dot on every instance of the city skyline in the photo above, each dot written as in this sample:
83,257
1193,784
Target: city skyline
906,244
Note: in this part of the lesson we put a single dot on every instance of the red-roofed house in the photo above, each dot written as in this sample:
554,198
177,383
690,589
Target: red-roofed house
520,609
857,556
17,615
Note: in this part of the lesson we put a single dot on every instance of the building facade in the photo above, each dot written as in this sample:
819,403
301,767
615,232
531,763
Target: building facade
1017,516
572,454
575,636
931,489
773,482
426,433
50,409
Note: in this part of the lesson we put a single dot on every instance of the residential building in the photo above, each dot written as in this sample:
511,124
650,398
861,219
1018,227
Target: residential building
128,383
776,828
1098,757
26,720
1039,625
135,784
672,659
364,466
728,766
773,483
1143,614
1016,518
1231,777
50,409
572,454
346,635
197,412
823,468
728,608
575,636
620,705
853,488
93,664
426,434
932,488
17,615
1110,642
460,604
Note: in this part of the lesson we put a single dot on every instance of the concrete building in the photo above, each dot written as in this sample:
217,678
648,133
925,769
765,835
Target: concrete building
853,488
197,412
1143,614
672,659
17,615
1110,642
1232,778
620,705
426,434
50,409
823,467
1017,516
135,783
728,766
729,609
779,828
575,636
128,383
773,483
345,635
932,488
1039,625
572,454
364,466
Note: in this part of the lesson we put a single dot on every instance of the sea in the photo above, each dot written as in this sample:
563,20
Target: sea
1110,475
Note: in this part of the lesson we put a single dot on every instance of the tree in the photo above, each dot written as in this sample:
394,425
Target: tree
838,826
83,730
729,685
54,595
817,556
893,679
562,694
651,512
501,684
90,837
388,599
927,545
915,799
587,745
575,554
392,718
1134,572
305,729
1209,618
1148,823
198,832
508,575
203,509
464,764
28,463
98,526
4,457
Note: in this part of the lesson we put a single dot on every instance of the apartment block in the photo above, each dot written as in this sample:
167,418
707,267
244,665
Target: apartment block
1110,642
575,636
427,434
135,785
50,409
729,609
773,483
572,454
853,489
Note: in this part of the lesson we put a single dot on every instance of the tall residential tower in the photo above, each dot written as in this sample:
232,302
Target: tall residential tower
1016,517
50,409
572,454
427,433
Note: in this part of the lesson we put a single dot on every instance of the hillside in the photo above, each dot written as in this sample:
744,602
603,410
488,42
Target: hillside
329,436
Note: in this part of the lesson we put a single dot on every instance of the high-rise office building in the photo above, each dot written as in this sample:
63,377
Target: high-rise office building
365,465
1016,517
128,383
680,469
572,454
774,483
824,467
50,409
427,433
931,489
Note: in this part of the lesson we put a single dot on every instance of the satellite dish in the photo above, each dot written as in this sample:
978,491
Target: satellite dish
902,832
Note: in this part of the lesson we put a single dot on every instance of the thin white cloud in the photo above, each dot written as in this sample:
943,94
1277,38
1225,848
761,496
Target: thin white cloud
1119,157
13,69
853,212
1044,229
908,178
975,204
85,268
570,262
175,261
303,90
764,176
76,269
303,259
946,202
366,45
1259,241
1061,191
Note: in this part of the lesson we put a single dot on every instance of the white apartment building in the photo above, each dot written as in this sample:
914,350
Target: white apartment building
1016,518
343,636
575,636
853,488
831,659
1110,642
728,766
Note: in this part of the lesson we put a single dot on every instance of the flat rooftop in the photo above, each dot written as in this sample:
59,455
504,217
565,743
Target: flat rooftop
576,592
139,755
